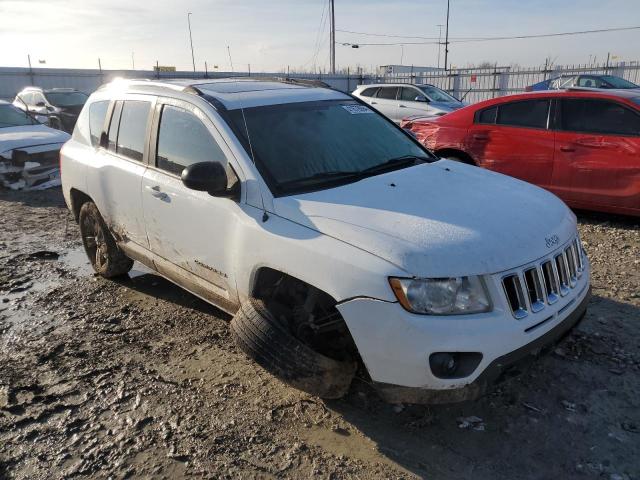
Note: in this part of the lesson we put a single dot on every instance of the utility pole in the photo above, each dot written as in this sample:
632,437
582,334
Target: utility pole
439,41
133,61
446,40
193,58
332,38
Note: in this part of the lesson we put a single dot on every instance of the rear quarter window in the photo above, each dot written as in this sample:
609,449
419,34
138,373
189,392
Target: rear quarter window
369,92
488,115
526,113
97,114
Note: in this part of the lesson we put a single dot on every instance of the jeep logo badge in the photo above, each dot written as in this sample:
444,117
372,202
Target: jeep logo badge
552,241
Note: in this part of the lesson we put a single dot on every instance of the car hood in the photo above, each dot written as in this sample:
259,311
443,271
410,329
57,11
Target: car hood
446,106
29,136
438,220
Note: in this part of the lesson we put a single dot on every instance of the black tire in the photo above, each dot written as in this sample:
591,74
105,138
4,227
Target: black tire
275,349
101,248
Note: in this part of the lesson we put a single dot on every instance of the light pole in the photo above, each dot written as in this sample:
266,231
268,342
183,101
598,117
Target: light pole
446,40
332,38
193,58
439,41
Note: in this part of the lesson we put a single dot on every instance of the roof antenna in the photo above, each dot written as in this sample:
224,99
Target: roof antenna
265,215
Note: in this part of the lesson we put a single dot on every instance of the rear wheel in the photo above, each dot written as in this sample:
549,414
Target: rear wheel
101,248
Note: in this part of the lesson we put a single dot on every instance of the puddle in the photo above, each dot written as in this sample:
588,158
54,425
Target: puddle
76,259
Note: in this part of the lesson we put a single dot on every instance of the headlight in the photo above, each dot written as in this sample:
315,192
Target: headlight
442,296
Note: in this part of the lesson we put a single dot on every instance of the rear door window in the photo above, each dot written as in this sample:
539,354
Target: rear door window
184,140
97,114
132,132
388,93
527,113
598,116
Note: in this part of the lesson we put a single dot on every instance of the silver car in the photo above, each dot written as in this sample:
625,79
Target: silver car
401,100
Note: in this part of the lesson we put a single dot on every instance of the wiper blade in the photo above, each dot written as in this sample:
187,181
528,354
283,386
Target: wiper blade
395,162
338,174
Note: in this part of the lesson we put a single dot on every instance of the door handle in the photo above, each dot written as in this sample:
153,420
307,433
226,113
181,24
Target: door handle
403,106
567,148
374,103
480,136
155,191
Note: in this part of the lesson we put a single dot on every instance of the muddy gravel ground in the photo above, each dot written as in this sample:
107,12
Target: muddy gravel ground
138,378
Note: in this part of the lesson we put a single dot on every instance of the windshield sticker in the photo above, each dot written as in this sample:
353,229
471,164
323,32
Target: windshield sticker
357,109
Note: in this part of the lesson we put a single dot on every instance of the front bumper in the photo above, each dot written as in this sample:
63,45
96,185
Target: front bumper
497,370
395,345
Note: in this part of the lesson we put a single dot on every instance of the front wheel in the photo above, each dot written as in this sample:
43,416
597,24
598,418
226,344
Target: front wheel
101,248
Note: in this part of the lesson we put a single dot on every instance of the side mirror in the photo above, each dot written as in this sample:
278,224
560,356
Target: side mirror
210,177
40,104
420,98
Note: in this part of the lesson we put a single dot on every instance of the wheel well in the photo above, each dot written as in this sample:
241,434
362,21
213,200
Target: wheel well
463,156
310,313
78,199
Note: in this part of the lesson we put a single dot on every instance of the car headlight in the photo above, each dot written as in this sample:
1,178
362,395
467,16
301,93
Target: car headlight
442,296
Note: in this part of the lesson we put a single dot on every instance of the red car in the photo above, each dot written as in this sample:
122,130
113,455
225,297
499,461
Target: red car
584,146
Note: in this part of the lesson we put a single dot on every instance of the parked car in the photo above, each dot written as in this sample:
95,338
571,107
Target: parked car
584,146
327,232
586,81
58,107
29,151
400,100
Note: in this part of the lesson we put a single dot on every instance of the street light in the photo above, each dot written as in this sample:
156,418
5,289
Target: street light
193,58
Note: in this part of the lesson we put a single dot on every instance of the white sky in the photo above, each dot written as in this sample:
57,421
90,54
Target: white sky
272,34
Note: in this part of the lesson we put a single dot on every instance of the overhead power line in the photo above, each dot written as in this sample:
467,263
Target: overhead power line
483,39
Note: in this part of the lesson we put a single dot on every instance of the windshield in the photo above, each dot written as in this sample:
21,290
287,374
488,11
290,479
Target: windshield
617,82
309,146
66,99
437,95
11,116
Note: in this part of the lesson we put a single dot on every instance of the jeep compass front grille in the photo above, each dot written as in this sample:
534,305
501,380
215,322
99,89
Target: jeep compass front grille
535,287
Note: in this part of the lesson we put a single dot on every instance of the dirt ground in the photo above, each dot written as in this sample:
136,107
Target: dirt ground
137,378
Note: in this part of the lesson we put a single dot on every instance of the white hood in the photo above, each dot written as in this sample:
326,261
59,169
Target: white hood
438,220
29,136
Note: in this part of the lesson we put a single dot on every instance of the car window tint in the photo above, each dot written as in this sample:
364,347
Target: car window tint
113,127
133,129
97,113
528,113
598,116
488,115
409,94
184,140
591,82
388,93
369,92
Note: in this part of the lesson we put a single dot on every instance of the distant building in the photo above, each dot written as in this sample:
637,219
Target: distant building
406,69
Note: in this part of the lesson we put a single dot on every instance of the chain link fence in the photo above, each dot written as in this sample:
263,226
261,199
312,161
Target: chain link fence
473,85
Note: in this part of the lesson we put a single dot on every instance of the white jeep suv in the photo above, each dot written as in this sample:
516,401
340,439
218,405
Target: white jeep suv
331,235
